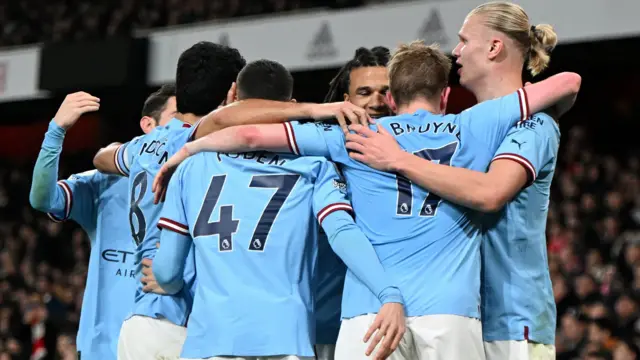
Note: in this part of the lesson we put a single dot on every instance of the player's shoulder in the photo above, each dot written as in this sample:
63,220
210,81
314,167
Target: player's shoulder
538,124
86,176
321,126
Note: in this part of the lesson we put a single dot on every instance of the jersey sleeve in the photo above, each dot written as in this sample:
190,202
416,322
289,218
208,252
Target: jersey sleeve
330,192
125,155
314,139
335,214
80,193
173,216
527,145
490,121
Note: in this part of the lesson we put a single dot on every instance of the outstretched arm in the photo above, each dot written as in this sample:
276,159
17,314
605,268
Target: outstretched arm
45,195
104,160
486,192
258,111
517,163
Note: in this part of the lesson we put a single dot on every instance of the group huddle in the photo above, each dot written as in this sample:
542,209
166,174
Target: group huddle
371,226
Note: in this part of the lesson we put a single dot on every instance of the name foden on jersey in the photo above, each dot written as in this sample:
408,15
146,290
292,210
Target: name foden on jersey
434,127
260,157
156,148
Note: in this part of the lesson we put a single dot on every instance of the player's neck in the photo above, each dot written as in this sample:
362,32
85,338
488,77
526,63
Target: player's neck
187,118
418,104
498,85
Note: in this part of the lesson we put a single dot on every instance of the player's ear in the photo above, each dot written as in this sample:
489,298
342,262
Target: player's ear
496,47
345,96
147,124
390,102
444,99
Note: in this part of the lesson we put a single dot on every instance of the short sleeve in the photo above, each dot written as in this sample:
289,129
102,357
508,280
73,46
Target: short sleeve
173,216
314,139
125,154
330,192
527,145
491,120
80,193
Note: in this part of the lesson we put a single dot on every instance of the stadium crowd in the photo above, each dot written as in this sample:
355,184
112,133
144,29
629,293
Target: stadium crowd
594,258
31,21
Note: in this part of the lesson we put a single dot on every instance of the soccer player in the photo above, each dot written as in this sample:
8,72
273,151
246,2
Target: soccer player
204,73
363,81
518,308
250,217
99,204
431,247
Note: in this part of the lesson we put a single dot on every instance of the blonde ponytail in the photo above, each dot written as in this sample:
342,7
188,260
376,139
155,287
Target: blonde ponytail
535,42
543,41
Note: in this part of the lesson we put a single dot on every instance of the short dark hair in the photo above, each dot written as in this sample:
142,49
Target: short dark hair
376,56
205,73
265,79
157,102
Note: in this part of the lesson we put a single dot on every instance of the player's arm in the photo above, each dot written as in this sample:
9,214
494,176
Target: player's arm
334,213
292,137
47,193
515,166
117,158
490,120
348,242
175,240
258,111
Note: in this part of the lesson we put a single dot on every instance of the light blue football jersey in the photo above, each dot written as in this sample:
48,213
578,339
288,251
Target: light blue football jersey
517,296
140,160
253,218
97,202
430,247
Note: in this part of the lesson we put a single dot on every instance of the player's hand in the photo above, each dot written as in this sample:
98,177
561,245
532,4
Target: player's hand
161,181
345,112
380,150
150,285
73,106
389,327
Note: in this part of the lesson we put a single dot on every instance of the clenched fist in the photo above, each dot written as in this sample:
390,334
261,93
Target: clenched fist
73,106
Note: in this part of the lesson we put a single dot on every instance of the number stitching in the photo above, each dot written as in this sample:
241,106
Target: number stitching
134,208
429,208
226,226
269,215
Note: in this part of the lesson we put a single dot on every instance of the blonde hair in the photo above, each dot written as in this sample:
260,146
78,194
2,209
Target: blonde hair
418,70
536,42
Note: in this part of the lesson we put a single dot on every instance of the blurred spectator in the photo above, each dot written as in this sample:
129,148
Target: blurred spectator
29,21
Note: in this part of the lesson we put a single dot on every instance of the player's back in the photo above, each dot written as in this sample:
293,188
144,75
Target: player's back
98,203
429,245
142,159
517,295
253,226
